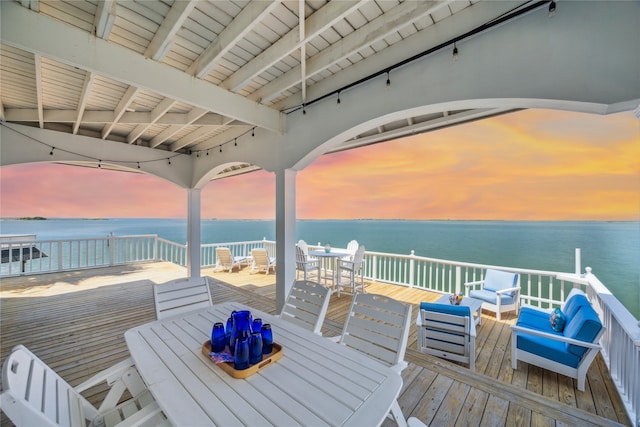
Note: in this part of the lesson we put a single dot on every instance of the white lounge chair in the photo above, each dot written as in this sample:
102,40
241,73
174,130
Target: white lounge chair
262,261
181,295
34,395
307,305
225,261
499,291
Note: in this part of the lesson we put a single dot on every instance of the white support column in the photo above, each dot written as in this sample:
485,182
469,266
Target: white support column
193,232
285,234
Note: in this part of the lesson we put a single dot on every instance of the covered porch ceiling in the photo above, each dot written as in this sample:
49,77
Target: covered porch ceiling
191,76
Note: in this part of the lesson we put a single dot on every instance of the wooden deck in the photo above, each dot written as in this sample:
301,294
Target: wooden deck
76,321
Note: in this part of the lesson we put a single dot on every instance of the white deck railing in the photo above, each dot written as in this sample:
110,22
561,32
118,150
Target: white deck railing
545,289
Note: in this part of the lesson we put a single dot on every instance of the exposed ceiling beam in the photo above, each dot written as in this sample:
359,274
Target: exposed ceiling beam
162,107
379,28
220,139
125,101
82,103
164,37
109,117
303,50
447,119
72,46
471,17
190,139
192,116
315,24
247,19
38,75
105,16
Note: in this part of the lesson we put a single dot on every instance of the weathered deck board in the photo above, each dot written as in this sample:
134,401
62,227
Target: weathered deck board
76,322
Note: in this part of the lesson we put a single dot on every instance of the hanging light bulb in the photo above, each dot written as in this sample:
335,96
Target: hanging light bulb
235,142
51,152
552,8
338,101
455,52
169,160
253,132
388,80
138,165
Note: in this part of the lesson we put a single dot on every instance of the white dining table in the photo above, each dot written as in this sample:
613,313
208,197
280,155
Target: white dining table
316,382
330,258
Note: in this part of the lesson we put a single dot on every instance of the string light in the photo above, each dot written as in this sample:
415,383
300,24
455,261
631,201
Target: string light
169,160
455,52
304,111
253,131
552,8
388,79
221,148
138,165
51,152
235,142
338,101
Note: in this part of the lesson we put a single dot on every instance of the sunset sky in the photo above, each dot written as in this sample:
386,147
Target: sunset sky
529,165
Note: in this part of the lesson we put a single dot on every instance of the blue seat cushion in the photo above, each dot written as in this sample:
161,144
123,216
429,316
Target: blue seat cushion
549,349
491,297
456,310
535,319
584,326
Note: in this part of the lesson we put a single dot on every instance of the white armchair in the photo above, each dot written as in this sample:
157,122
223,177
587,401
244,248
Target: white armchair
499,291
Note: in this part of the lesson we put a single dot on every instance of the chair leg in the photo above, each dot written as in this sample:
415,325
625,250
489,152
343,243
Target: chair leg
397,415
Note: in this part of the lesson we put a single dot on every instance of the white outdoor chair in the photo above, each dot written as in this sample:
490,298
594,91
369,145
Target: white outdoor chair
350,272
499,291
309,268
352,247
447,331
307,305
181,295
34,395
225,261
378,326
262,261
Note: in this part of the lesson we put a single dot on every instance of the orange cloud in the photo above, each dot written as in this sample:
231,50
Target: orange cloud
529,165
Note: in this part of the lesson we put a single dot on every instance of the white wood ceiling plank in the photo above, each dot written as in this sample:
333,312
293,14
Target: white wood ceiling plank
183,54
370,10
424,22
156,113
38,78
288,17
407,31
164,36
256,40
139,25
457,6
196,42
152,10
343,28
330,36
355,20
69,13
208,27
441,13
367,51
377,46
230,8
128,40
391,39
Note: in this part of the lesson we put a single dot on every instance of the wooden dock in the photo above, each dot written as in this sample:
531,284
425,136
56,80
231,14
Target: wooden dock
76,321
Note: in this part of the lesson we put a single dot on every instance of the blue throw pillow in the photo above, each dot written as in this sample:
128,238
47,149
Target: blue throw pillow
557,319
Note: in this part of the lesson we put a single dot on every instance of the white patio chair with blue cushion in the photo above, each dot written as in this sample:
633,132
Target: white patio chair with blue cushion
181,295
307,305
568,348
499,291
34,395
447,331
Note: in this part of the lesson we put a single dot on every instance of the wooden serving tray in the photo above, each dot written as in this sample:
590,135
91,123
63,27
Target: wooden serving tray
267,360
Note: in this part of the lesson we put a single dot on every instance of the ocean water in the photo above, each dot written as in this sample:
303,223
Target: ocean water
611,249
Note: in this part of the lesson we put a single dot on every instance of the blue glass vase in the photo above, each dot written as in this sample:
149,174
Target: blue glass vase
241,327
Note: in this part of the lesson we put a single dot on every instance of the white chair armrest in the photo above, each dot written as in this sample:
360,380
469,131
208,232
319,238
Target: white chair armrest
477,282
335,339
561,338
504,291
109,375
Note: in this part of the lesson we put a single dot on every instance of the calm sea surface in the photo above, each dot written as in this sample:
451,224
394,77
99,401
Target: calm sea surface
612,249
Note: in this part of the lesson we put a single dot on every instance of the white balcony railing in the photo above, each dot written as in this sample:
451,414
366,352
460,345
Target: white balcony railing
545,289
